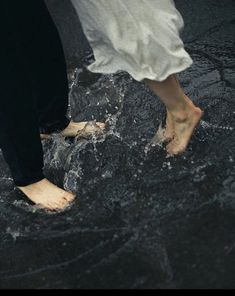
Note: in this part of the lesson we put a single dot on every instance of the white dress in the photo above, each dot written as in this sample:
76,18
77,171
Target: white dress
140,37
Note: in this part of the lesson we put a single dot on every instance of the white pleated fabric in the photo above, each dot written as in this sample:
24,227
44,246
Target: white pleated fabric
141,37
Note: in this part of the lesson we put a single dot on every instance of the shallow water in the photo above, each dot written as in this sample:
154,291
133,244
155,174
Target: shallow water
141,219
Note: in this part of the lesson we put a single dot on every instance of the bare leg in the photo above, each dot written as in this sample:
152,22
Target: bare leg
47,195
182,115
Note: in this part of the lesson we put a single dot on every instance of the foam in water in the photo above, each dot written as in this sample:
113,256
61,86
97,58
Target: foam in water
13,233
208,125
157,140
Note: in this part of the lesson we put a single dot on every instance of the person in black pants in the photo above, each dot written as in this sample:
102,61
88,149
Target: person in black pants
33,97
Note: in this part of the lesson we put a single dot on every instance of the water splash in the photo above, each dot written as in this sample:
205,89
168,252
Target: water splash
157,140
13,233
207,125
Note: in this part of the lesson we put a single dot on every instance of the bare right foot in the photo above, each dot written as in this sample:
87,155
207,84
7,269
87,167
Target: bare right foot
48,196
75,128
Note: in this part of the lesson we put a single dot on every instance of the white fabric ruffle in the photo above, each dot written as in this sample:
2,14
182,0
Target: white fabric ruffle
141,37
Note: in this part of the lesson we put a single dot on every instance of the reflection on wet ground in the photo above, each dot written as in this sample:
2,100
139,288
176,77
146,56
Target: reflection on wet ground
141,219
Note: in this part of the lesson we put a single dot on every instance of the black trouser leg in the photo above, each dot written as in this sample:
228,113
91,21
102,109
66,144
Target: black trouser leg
40,44
29,96
19,133
48,70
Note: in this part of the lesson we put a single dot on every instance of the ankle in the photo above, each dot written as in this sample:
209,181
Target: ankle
184,115
180,114
34,185
180,117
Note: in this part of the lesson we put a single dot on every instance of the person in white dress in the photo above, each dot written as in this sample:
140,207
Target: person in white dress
142,37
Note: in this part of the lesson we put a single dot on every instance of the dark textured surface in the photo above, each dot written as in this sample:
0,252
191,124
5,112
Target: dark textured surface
140,220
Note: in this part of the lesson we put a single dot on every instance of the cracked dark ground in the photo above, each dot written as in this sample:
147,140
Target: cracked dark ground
140,220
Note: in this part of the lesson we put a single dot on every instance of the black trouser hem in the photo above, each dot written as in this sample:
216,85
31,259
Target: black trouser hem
29,181
55,127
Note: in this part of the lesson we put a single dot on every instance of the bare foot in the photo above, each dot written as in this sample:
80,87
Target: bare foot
169,130
183,130
91,129
74,128
48,196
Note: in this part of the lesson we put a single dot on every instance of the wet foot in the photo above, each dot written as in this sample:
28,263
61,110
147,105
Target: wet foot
183,130
74,128
168,133
48,196
91,129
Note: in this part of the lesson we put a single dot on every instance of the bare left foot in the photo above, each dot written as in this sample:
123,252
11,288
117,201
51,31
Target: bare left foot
48,196
183,131
74,128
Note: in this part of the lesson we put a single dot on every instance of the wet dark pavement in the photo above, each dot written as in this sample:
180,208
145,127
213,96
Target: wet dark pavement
141,219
